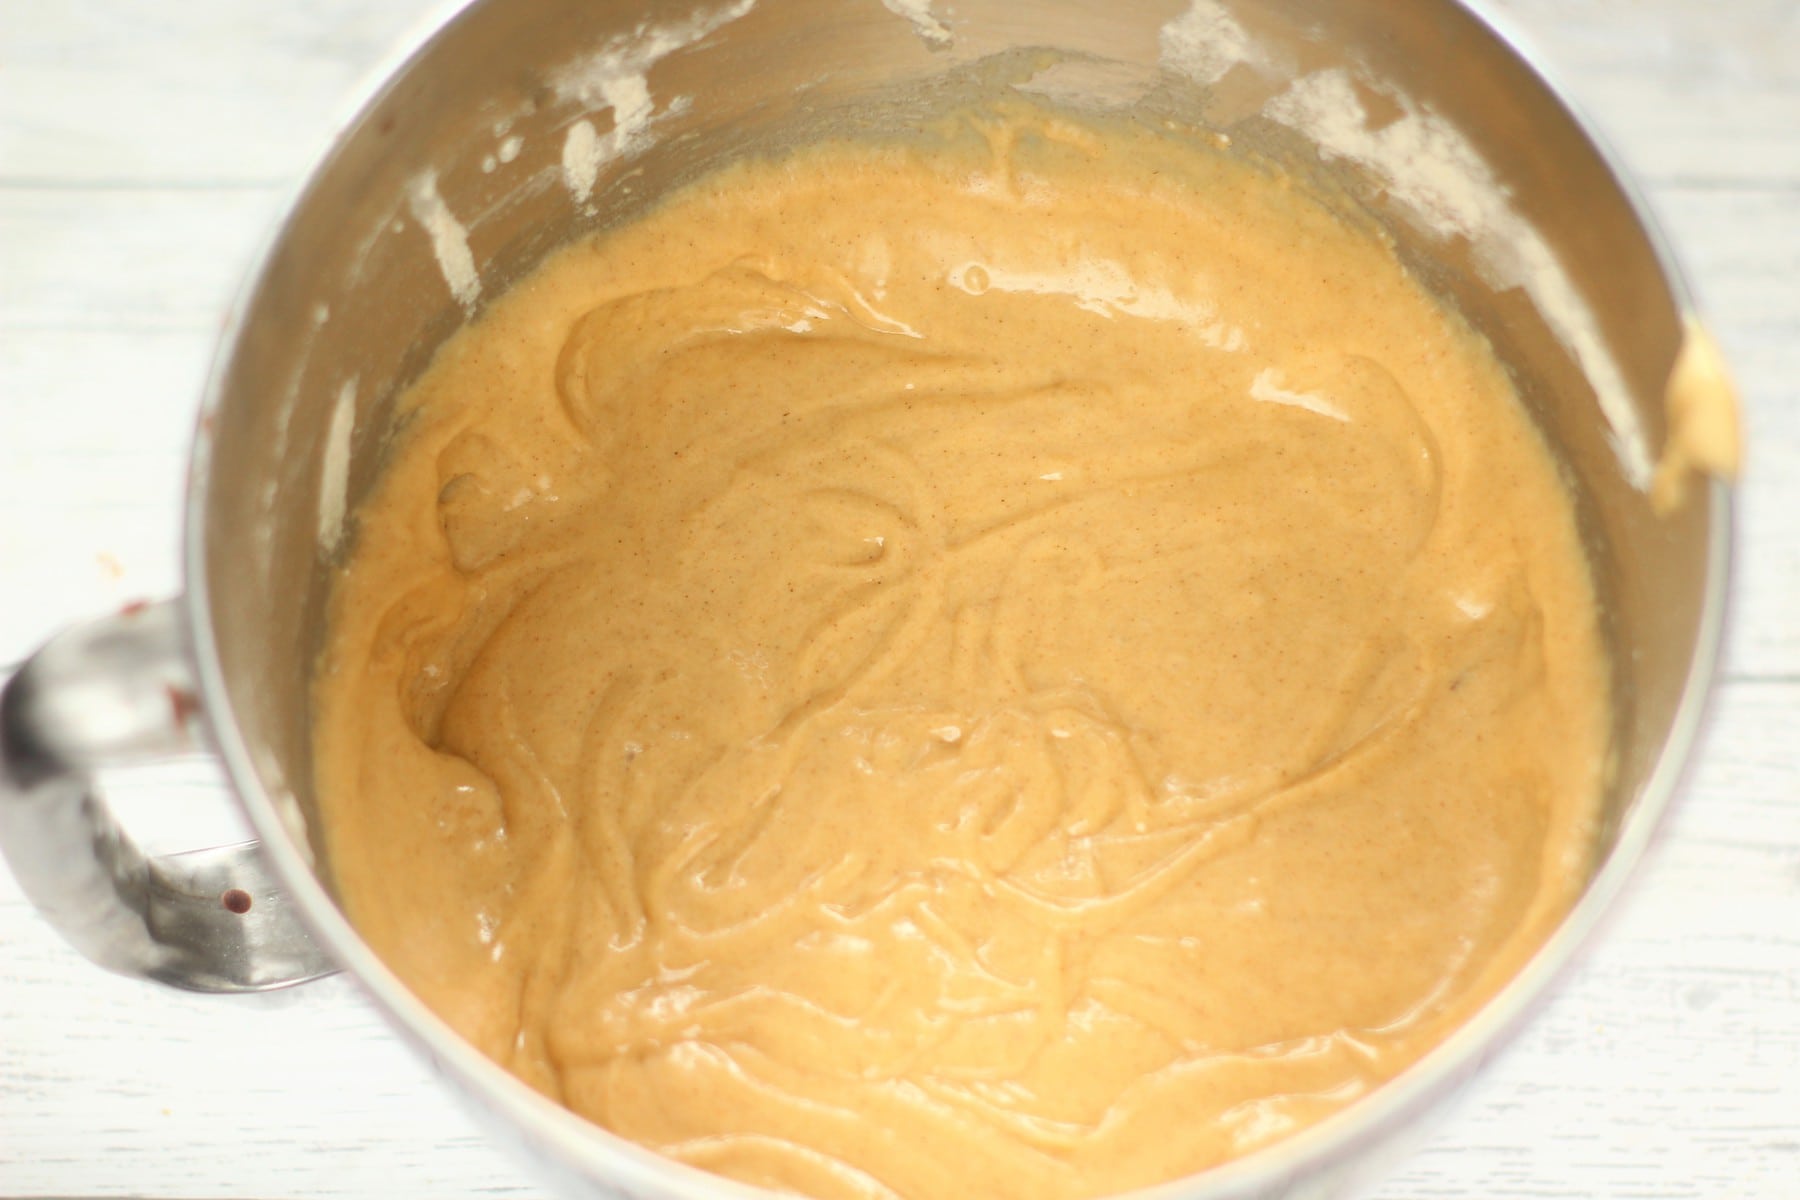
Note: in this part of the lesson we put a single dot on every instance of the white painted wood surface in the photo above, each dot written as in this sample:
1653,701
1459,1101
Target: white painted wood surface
144,146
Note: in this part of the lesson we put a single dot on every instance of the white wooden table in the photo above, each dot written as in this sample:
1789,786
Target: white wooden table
144,147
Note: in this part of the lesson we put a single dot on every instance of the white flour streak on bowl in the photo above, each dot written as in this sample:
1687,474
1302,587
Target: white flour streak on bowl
1429,168
449,240
582,155
616,77
334,469
1204,43
925,23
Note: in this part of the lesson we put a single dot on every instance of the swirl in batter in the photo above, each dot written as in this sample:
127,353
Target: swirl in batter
1024,664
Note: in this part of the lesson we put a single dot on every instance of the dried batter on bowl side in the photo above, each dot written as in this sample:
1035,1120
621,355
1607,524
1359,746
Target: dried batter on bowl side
1023,664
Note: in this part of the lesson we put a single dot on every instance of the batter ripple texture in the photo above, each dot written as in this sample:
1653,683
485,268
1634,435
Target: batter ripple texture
1022,664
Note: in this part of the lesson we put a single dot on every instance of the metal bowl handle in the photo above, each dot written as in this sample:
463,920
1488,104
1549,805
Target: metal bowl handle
108,692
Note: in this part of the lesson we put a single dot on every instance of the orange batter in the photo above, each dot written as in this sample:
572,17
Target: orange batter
1022,664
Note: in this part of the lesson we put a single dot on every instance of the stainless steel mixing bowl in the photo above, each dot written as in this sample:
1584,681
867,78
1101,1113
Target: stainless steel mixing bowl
517,125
